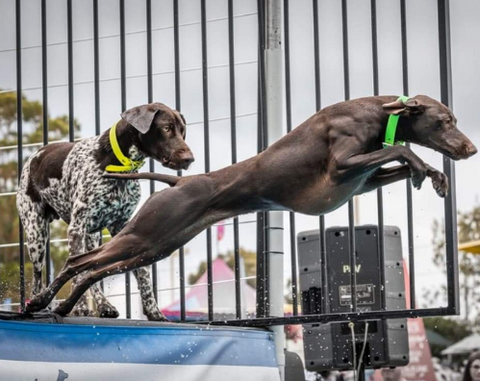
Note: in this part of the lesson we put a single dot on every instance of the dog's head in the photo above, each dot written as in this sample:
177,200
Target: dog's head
161,134
431,124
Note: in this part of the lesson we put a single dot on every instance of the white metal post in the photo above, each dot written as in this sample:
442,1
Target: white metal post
274,88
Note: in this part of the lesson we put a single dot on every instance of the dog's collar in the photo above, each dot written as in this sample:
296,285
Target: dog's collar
392,127
129,165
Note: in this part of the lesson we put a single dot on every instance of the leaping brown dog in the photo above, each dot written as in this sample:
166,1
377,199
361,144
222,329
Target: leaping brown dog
315,169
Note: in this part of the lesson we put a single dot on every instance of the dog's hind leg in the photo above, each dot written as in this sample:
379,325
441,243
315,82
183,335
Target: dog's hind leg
73,266
142,275
78,292
77,243
93,275
104,307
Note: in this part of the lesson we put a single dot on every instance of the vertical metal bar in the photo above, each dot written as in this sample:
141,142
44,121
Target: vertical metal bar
451,238
351,213
178,106
96,81
123,74
275,228
316,43
151,163
48,266
123,83
381,235
373,13
149,55
262,217
403,24
318,106
18,31
44,73
233,133
408,182
288,102
260,264
206,126
71,105
346,71
96,67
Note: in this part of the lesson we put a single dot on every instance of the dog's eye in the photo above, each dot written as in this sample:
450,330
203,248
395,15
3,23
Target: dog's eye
167,128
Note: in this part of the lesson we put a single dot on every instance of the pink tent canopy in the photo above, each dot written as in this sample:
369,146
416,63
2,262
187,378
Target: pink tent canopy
196,300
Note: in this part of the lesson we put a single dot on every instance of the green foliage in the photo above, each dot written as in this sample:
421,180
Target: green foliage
469,265
193,278
452,330
9,221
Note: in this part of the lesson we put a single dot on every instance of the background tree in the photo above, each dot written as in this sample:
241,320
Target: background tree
450,329
469,265
9,221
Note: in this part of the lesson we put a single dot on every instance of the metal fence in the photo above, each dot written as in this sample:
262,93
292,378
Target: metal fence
264,317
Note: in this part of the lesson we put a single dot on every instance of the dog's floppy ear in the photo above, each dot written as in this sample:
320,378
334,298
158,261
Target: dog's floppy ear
141,117
185,123
410,107
183,118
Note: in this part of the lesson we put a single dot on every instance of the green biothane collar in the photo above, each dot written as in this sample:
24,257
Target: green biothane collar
392,127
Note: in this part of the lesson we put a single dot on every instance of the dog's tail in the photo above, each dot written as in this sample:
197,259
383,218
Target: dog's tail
168,179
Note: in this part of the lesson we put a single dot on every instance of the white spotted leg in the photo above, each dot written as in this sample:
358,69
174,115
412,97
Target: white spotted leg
36,232
77,244
150,307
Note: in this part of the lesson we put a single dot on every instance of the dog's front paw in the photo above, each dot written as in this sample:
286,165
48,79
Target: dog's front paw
155,315
107,311
419,174
440,183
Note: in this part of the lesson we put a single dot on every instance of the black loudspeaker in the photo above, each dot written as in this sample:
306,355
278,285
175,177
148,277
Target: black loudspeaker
329,346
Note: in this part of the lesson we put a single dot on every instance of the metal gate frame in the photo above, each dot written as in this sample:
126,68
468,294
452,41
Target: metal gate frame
263,318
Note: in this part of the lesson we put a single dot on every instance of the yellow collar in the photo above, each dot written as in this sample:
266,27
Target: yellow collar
129,165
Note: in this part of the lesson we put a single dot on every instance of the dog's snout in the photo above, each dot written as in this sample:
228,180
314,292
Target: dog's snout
186,159
471,149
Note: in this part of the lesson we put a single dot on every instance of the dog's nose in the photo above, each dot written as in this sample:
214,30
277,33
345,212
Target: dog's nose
471,150
186,160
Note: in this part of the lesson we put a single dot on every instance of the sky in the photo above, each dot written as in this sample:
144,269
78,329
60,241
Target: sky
423,70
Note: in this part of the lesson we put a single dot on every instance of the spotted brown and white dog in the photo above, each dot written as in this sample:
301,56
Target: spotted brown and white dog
64,180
